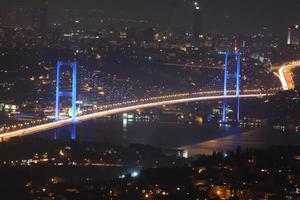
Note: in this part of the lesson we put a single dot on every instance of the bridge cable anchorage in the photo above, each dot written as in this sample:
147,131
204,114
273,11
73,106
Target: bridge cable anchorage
236,75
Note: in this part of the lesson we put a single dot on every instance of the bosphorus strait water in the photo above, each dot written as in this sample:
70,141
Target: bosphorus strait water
196,139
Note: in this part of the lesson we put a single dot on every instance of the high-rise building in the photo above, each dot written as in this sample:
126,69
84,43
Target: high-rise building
289,36
293,35
40,20
1,28
197,20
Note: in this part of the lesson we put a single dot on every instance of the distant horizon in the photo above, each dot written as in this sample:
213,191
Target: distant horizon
218,16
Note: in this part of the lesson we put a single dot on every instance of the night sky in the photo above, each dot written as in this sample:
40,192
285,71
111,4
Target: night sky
234,16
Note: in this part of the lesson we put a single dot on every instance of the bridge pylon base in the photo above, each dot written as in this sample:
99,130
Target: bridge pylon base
71,129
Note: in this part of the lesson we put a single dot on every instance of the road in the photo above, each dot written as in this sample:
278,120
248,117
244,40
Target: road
188,65
285,74
60,123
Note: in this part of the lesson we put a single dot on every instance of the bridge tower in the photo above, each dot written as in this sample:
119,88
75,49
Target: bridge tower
235,75
71,94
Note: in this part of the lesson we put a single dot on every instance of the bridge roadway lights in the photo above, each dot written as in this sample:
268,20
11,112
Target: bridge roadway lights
71,94
236,76
113,111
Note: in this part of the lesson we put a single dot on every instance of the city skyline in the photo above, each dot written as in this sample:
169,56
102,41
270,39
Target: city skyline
217,16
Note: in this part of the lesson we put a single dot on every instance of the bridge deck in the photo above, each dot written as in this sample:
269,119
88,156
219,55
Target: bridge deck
60,123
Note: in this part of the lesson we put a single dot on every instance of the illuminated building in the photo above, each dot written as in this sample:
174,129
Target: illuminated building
293,35
289,36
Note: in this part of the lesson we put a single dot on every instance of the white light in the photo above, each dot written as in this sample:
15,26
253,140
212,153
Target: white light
64,122
122,176
282,78
134,174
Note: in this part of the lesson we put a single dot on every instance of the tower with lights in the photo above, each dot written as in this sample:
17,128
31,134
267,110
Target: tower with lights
289,35
196,19
236,56
71,94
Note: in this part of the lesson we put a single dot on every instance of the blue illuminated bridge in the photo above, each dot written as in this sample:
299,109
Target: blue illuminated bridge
130,105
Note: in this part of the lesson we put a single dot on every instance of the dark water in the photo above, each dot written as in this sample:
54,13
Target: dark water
124,132
194,138
258,138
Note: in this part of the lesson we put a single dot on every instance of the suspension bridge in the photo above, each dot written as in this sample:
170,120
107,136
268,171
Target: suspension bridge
232,70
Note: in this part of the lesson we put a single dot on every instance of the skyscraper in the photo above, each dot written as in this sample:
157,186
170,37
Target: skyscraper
293,35
196,20
1,28
40,20
289,36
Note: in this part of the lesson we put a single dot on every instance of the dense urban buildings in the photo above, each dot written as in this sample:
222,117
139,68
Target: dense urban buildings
147,118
